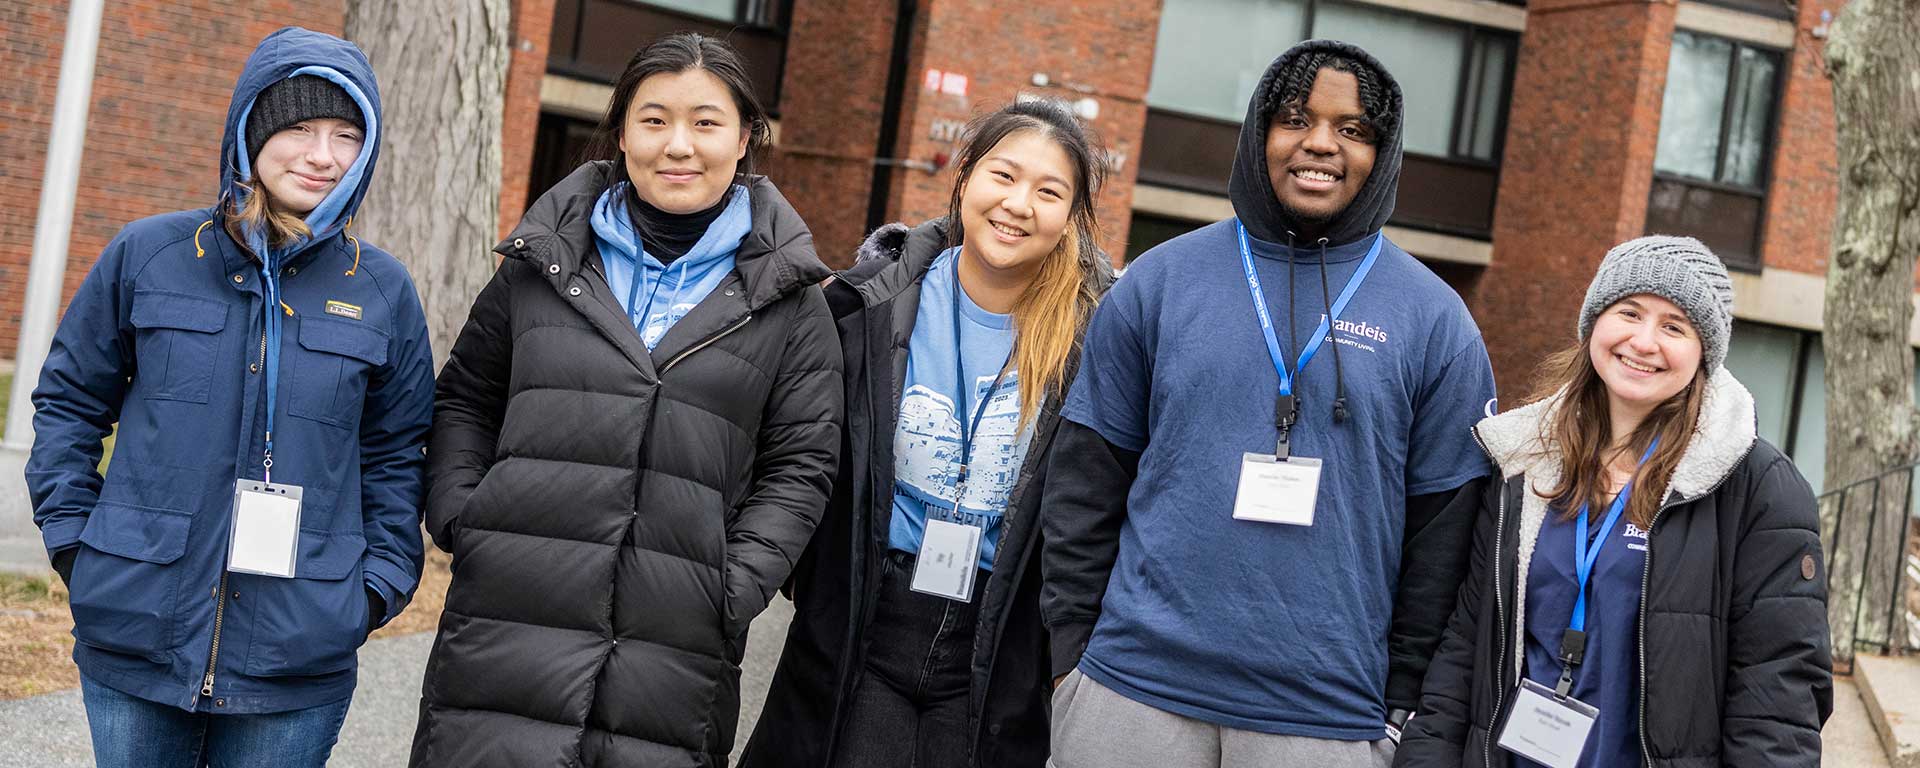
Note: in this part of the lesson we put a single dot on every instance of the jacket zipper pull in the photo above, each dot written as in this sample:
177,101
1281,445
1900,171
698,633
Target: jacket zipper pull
206,687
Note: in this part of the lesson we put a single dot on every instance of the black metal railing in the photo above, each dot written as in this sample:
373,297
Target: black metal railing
1872,565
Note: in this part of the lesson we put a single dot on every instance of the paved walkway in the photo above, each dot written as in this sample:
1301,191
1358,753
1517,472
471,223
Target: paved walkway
50,731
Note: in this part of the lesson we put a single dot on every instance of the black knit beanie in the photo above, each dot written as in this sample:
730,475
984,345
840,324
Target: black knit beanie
295,99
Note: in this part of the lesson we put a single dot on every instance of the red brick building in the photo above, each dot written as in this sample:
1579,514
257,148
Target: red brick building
1539,133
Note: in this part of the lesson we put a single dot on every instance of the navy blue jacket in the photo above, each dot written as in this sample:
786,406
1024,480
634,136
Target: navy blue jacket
166,338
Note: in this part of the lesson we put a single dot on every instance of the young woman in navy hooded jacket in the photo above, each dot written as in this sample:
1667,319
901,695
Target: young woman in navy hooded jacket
256,335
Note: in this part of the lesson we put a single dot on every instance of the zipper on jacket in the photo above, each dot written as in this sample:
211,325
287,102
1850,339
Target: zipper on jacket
1499,610
1646,576
219,619
704,344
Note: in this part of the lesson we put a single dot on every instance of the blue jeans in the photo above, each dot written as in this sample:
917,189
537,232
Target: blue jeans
130,732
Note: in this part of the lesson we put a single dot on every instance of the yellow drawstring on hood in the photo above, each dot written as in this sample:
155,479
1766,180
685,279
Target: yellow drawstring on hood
198,250
356,247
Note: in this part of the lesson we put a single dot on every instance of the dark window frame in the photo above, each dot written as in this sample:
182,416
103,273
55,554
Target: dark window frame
1471,33
1762,190
565,63
1776,10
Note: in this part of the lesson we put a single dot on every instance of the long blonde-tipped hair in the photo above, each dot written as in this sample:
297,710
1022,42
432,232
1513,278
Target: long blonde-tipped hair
1050,316
1580,431
257,212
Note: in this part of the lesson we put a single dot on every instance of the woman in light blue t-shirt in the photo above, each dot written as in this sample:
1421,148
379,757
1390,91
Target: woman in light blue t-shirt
917,639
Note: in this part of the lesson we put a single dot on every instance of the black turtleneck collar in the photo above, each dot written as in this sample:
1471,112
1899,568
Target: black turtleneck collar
1252,193
668,236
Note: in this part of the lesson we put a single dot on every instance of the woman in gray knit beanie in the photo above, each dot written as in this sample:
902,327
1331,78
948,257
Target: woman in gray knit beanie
1660,562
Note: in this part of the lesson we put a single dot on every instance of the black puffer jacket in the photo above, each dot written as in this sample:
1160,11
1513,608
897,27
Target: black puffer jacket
875,304
1733,619
618,517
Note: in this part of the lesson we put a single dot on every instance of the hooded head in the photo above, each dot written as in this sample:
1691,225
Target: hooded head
1321,167
300,71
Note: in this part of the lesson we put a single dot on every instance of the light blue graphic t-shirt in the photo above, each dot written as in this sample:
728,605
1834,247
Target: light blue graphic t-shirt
926,443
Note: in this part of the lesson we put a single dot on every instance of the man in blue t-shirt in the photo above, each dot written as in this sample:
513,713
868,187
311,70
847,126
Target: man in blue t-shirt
1262,493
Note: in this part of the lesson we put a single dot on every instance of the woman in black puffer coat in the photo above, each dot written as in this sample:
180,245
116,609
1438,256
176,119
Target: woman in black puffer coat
635,436
1704,640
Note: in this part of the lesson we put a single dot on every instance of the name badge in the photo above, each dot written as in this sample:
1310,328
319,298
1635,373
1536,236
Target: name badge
1274,491
1545,728
949,557
266,529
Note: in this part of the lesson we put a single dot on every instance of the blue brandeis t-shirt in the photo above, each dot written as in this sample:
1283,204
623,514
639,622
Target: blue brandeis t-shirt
926,442
1607,678
1259,626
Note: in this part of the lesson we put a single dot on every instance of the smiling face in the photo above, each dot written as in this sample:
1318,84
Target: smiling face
1016,203
303,162
1320,153
683,140
1645,350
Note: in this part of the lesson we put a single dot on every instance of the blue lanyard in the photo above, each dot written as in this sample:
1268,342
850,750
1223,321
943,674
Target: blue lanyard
1285,404
968,428
1574,642
273,332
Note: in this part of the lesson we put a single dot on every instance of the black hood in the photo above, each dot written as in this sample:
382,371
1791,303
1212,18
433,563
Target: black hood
1252,193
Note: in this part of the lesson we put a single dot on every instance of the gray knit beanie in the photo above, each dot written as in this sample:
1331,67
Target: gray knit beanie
292,100
1678,269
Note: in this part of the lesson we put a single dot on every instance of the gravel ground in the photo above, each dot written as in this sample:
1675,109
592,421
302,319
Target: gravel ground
50,731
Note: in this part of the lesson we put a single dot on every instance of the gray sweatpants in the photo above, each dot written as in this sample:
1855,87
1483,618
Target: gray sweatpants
1094,727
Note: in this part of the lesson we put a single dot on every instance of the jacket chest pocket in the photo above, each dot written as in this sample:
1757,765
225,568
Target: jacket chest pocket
176,338
329,369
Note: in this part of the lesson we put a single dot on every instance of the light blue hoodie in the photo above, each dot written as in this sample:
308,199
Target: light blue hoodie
658,296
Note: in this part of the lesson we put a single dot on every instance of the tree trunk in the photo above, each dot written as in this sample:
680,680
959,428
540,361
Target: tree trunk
1873,55
435,204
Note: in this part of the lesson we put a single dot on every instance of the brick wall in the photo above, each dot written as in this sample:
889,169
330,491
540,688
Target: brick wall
532,25
1579,165
832,95
162,81
1098,50
1805,189
834,87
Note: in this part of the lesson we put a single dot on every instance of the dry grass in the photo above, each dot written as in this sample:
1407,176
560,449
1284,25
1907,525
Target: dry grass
423,614
36,631
36,643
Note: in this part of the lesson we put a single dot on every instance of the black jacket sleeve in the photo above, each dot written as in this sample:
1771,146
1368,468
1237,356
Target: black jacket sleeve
1437,734
798,453
1433,561
1084,502
1779,688
469,404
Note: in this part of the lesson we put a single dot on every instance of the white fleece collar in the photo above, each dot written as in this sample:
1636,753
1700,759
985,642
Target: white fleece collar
1517,444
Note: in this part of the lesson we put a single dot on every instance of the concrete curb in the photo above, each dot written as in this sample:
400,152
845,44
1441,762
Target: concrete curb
1890,689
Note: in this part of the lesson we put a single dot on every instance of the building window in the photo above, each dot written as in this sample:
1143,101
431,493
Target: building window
1455,78
1716,129
1785,370
593,39
753,13
1211,54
